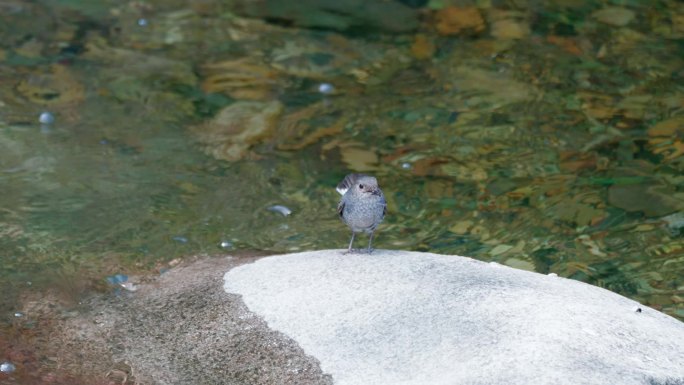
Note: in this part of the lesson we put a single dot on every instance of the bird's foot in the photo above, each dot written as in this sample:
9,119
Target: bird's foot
358,251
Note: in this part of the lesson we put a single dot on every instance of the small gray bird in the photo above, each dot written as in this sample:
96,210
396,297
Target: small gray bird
362,206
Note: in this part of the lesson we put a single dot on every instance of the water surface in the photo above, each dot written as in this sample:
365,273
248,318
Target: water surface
551,141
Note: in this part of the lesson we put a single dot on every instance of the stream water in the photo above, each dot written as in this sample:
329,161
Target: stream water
548,137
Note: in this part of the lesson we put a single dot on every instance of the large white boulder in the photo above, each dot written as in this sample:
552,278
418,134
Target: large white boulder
396,317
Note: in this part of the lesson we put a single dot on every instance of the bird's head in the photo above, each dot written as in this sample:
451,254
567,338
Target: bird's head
366,185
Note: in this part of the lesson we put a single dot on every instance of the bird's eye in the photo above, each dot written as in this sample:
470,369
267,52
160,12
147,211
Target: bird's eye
361,186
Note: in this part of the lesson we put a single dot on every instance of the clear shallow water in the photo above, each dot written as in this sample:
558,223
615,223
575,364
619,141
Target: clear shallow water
538,152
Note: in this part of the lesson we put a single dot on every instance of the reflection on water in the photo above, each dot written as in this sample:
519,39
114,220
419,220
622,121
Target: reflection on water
548,139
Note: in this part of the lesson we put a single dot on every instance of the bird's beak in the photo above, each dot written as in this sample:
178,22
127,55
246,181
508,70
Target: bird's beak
375,192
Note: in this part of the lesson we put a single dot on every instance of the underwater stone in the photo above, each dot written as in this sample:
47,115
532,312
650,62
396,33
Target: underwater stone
326,88
341,15
7,367
180,239
46,118
280,209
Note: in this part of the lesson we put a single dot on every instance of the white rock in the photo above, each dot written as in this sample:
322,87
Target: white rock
396,317
46,117
284,210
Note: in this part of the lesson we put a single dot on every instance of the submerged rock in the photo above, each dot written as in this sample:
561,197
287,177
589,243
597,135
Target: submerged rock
459,20
243,78
615,16
653,200
236,128
342,15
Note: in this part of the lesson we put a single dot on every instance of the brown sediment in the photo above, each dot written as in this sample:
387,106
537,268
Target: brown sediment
179,327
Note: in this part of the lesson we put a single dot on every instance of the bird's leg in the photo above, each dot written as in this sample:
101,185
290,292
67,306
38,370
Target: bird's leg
349,250
369,243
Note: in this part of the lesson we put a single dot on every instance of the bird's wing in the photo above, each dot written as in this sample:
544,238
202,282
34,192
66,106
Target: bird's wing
347,182
384,206
340,209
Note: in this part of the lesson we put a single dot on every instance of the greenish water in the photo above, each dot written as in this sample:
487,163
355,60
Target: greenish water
557,151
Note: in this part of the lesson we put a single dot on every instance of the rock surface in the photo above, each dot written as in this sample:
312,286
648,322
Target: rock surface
176,328
416,318
322,317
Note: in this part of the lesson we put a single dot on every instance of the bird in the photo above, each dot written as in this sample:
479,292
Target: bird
362,206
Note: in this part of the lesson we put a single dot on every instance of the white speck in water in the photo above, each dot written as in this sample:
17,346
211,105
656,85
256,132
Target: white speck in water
7,367
406,165
46,118
226,245
129,286
280,209
326,88
18,314
180,239
142,22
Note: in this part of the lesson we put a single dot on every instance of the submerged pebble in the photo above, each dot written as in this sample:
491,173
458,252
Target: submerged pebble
326,88
46,118
142,22
675,222
7,367
226,245
180,239
280,209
